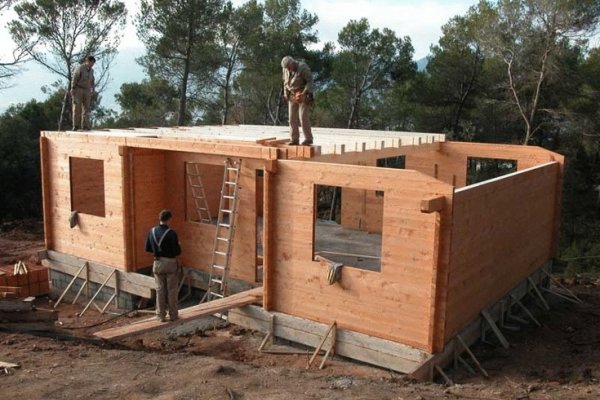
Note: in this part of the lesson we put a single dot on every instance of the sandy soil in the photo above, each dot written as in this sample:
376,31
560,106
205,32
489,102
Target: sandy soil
560,360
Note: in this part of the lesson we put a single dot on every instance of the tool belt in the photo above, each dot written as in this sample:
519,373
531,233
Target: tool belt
299,97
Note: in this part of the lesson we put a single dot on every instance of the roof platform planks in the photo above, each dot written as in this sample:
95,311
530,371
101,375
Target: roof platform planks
185,315
254,141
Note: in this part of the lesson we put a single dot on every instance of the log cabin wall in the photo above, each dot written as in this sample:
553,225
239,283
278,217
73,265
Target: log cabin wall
502,231
362,209
68,161
397,303
160,182
449,162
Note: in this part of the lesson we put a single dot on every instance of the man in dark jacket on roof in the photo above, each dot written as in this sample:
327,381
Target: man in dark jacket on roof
298,92
162,241
82,89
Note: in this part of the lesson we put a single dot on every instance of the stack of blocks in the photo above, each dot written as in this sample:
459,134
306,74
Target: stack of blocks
34,283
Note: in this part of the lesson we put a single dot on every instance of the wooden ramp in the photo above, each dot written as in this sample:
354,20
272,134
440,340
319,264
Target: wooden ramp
185,315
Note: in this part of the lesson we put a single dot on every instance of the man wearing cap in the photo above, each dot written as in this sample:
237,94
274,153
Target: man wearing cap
162,241
298,92
82,89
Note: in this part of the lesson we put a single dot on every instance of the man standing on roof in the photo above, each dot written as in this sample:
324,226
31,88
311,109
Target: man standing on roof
162,241
82,89
298,92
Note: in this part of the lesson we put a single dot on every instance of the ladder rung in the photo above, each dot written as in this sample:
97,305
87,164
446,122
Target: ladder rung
196,185
225,225
202,208
219,281
218,266
223,239
230,183
221,253
232,169
216,294
227,211
229,197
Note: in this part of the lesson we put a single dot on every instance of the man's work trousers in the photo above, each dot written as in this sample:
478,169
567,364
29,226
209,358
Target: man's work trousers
299,113
82,99
165,274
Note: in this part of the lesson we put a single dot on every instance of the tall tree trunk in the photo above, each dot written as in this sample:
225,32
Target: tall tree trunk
63,110
183,94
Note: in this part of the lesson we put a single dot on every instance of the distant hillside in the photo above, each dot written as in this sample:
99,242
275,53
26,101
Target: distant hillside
27,85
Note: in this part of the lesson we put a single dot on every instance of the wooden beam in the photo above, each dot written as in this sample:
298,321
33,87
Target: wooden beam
130,282
128,204
433,204
46,194
185,315
358,346
265,140
267,239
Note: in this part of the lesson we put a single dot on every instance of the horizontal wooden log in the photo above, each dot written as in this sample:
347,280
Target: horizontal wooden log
433,204
354,345
130,282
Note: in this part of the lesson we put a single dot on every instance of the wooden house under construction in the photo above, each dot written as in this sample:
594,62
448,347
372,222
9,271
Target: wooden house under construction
432,242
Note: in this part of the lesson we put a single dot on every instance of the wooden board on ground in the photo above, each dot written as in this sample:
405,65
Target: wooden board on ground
185,315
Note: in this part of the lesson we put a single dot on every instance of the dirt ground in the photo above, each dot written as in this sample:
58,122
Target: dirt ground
560,360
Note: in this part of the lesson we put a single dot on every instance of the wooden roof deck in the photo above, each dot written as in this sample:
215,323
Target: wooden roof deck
327,140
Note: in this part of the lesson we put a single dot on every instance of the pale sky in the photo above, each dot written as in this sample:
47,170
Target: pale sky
420,19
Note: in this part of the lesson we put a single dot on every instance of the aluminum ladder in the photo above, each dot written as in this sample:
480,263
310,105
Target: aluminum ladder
195,180
221,258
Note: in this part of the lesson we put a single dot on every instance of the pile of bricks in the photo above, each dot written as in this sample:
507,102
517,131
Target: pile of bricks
35,282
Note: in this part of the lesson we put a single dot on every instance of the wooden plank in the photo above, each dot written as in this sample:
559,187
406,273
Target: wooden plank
267,240
30,316
185,315
140,285
433,204
46,190
349,344
128,208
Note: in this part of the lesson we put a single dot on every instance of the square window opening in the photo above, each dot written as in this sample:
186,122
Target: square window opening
87,186
340,240
483,169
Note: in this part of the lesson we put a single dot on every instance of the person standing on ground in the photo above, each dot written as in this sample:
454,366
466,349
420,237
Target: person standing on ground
82,90
298,92
162,241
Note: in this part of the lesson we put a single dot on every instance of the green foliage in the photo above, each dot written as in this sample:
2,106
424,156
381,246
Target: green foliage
368,65
149,103
58,34
20,128
180,38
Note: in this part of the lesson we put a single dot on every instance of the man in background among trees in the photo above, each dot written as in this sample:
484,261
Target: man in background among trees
298,92
82,89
